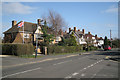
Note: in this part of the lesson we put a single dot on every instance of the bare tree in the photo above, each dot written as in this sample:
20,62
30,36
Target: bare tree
55,21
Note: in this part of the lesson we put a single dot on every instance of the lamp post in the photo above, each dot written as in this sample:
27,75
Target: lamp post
36,45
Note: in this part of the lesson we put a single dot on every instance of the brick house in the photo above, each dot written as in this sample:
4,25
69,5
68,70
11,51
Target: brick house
15,34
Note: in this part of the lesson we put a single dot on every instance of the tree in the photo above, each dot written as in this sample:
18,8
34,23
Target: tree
62,42
48,38
69,41
55,21
106,41
116,43
72,40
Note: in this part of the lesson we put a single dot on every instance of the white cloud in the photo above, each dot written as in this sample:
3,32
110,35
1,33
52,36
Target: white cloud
111,9
17,8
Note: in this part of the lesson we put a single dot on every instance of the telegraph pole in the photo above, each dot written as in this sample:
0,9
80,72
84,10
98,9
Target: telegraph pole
111,37
110,34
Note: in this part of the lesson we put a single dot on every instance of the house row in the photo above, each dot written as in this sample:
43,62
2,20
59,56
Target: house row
83,38
30,31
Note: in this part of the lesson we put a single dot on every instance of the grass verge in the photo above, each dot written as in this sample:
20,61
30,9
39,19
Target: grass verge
30,56
68,53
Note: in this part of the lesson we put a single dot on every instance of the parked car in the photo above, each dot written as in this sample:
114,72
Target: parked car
107,48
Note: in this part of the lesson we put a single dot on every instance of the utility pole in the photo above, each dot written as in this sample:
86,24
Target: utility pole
110,34
111,37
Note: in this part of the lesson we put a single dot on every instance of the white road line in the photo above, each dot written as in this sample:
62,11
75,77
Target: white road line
93,75
91,65
75,73
21,72
84,68
68,61
82,75
70,76
62,62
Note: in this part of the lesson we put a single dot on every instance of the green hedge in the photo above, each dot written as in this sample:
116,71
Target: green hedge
63,49
17,49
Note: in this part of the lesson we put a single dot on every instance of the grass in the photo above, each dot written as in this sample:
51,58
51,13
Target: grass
67,53
29,56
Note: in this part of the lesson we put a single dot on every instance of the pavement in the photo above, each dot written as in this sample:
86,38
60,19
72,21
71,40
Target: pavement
86,65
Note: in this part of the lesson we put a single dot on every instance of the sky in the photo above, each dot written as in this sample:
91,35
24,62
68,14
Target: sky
96,17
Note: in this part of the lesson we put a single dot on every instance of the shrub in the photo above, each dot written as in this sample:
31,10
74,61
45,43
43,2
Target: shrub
63,49
17,49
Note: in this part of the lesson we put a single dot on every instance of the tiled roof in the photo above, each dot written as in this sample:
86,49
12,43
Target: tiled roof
29,27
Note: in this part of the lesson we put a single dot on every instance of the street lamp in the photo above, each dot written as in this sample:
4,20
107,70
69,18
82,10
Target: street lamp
36,45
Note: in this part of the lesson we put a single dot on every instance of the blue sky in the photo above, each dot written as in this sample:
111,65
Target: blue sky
96,17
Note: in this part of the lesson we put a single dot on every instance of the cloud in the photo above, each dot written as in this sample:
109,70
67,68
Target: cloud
111,9
111,25
17,8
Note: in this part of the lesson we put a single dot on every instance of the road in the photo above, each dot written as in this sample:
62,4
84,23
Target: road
89,65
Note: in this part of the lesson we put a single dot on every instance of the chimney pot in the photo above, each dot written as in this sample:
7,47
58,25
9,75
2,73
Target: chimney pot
74,29
88,32
69,29
96,36
83,31
39,21
14,23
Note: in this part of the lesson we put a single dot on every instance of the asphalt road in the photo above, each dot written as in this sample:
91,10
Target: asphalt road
93,65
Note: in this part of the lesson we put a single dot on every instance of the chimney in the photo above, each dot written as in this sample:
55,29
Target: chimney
74,29
88,32
39,21
69,29
78,29
14,23
83,31
96,36
101,38
65,32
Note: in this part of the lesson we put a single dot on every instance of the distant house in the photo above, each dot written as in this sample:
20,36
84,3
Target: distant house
58,37
78,34
100,41
89,38
16,35
84,39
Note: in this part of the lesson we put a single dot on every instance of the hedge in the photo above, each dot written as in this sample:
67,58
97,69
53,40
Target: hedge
63,49
17,49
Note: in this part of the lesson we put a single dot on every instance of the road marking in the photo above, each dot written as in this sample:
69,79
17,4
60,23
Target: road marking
68,61
82,74
21,72
88,66
62,62
4,56
68,77
85,68
91,65
86,53
75,73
